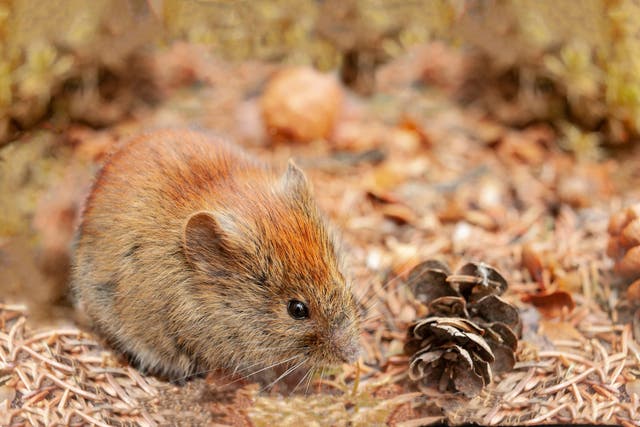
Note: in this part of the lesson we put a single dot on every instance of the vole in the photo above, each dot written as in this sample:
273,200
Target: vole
193,255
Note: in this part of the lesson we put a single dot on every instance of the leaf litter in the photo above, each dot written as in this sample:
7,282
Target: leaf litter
447,182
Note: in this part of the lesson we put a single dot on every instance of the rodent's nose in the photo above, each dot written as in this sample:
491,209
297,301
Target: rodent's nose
351,353
347,346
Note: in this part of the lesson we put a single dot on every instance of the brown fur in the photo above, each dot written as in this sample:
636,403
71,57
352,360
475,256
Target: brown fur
189,251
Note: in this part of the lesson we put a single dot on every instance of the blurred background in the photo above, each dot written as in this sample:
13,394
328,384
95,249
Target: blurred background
556,60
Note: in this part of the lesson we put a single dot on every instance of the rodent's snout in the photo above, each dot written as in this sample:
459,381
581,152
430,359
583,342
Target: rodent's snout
347,347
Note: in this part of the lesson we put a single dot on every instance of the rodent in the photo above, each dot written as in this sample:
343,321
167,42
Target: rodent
193,255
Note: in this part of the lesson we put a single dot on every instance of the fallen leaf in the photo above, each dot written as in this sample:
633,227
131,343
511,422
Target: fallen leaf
570,282
532,261
387,176
399,213
410,125
551,304
526,150
452,212
480,219
380,195
559,331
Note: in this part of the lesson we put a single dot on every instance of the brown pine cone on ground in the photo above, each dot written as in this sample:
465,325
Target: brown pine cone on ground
624,241
624,248
470,333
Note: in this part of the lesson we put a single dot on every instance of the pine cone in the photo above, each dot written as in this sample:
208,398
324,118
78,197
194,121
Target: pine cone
624,241
470,333
624,249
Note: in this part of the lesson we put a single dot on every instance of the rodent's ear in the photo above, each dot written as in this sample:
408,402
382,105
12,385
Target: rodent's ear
295,182
204,240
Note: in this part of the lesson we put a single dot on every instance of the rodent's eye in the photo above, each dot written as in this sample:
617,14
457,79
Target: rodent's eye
297,309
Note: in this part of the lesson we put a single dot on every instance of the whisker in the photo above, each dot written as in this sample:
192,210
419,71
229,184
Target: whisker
319,382
263,369
237,369
287,372
273,365
371,317
246,368
301,380
309,380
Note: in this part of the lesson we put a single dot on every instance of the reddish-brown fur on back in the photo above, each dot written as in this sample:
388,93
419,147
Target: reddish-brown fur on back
190,251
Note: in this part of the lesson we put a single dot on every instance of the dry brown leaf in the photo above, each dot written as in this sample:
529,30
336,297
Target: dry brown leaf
411,125
559,331
532,261
489,132
551,304
452,212
399,213
386,177
481,219
381,196
570,281
515,147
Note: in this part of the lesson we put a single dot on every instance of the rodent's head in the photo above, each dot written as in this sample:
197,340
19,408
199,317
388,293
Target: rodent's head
267,277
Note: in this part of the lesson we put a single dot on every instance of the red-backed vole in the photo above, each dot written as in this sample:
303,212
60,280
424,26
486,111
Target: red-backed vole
192,255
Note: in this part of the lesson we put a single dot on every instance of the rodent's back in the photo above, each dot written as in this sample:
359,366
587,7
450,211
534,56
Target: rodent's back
163,176
131,234
134,276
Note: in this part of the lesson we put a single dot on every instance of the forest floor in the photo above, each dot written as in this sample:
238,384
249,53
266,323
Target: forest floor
409,175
